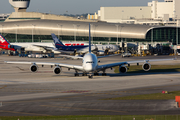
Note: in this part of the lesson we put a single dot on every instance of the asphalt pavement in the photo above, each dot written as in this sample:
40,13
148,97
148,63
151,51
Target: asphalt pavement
23,93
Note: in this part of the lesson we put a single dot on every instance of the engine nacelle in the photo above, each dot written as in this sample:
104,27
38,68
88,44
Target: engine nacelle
57,70
146,66
123,69
34,68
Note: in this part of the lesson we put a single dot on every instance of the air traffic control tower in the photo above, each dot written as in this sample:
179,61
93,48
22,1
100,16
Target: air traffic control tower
20,13
20,5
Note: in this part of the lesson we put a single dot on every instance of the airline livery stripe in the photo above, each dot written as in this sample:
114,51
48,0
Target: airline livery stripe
59,44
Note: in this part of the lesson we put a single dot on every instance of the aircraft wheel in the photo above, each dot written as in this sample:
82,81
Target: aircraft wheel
84,74
96,74
90,76
76,74
104,74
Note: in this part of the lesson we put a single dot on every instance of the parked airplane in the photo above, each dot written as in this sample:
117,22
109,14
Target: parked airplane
65,49
99,49
89,64
4,44
34,46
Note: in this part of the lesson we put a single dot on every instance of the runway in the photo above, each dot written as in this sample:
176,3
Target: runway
23,93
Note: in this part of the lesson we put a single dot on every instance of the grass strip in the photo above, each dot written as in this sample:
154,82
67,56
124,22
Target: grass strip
154,96
97,117
154,68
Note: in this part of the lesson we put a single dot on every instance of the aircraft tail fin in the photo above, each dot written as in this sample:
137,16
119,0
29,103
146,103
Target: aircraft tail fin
3,40
57,42
89,38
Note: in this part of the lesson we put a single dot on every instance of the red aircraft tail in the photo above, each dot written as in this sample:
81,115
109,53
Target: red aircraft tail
3,41
4,44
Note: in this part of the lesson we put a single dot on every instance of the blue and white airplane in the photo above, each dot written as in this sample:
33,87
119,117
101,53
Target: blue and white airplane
99,49
65,49
89,64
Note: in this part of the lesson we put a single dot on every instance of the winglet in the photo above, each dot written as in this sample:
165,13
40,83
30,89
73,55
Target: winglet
57,42
89,38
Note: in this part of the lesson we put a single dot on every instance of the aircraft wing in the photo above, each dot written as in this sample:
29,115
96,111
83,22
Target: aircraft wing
151,60
76,67
45,47
108,55
63,51
79,57
70,56
102,67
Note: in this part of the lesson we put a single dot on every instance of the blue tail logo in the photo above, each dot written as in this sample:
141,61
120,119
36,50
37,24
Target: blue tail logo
57,42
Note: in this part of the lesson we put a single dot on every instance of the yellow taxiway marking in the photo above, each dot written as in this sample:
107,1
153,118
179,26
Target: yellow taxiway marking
24,113
3,87
84,109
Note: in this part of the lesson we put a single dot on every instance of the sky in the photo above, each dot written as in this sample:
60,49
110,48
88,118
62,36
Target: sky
72,6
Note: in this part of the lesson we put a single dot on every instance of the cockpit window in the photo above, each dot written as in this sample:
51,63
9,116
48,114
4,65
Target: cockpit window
89,62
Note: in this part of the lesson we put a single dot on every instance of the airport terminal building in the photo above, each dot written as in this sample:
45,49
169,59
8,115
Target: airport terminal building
22,26
155,13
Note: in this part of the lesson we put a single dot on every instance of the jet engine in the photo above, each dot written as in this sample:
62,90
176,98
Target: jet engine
146,66
57,70
123,69
34,68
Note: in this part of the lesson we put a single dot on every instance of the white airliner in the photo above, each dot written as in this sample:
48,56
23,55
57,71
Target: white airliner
34,46
42,47
101,49
89,64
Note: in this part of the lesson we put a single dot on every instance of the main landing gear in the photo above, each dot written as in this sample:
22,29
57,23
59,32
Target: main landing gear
91,75
104,74
96,74
84,74
76,74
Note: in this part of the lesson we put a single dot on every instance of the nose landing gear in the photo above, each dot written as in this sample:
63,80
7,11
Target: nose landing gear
76,74
90,76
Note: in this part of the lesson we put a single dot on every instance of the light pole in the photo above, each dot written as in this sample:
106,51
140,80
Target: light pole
91,34
117,32
95,30
58,30
152,37
1,29
16,30
177,33
121,34
74,32
61,31
39,39
32,32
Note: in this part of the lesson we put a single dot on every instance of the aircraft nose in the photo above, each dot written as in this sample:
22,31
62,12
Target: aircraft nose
89,68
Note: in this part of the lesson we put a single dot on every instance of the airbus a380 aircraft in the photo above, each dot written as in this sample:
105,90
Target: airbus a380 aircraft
89,64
